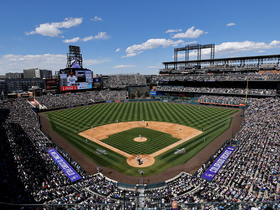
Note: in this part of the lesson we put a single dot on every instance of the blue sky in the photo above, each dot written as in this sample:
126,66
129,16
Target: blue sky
132,36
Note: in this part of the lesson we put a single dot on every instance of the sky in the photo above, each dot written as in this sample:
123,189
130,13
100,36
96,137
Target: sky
128,36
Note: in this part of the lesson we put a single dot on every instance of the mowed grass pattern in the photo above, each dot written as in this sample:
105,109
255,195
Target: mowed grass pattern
82,118
156,140
213,120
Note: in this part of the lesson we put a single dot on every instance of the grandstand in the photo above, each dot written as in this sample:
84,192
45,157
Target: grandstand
30,178
251,176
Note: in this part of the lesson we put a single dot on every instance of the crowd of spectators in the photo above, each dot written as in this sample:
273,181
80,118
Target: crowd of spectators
122,80
241,91
29,174
79,98
26,165
217,77
251,174
225,99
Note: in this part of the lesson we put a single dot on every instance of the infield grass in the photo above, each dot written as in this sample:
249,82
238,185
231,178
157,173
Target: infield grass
214,122
156,140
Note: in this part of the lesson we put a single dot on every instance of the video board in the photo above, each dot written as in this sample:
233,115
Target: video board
75,79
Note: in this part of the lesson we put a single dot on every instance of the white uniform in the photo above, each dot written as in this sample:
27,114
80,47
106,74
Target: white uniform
71,80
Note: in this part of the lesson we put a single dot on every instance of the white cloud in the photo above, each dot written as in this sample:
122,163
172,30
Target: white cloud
124,66
52,29
190,33
150,44
173,30
245,46
189,43
231,24
72,40
232,47
132,54
117,50
16,63
101,35
96,19
261,51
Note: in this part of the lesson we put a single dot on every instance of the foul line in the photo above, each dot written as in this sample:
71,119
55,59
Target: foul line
106,145
174,145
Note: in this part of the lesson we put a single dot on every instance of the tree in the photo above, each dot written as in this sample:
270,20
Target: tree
138,94
131,95
147,94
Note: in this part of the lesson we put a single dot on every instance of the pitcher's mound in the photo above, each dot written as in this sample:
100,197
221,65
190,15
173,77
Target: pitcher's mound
147,161
142,139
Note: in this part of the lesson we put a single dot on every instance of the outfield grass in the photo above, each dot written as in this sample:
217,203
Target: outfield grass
213,120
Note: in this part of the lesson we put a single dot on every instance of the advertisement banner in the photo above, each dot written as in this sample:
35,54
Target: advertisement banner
51,84
215,167
64,165
182,94
97,79
51,81
153,93
69,88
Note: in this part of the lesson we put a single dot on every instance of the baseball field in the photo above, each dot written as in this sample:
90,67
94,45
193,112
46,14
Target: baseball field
162,135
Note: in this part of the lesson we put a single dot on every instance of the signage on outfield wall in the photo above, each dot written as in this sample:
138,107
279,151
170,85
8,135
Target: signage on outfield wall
215,167
64,165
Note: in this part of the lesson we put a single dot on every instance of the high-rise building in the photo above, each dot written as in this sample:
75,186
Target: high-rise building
37,73
14,75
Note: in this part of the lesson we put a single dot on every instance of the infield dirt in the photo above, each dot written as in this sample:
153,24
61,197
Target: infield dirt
184,133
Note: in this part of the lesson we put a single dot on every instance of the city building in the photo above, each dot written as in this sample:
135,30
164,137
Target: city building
13,75
37,73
